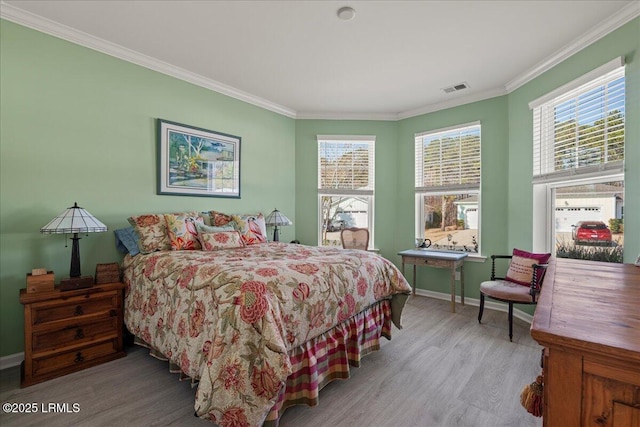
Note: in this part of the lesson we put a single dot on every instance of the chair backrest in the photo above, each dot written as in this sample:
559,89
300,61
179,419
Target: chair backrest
355,238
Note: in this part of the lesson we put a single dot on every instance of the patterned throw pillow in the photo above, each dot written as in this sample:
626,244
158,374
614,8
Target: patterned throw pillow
218,240
253,228
152,231
521,266
182,232
219,219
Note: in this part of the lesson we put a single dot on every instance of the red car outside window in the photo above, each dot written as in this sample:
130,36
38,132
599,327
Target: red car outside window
591,232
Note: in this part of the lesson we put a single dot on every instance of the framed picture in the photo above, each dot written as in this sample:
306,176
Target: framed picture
197,162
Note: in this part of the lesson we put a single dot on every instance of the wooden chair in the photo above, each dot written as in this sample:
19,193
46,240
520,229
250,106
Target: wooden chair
355,238
501,289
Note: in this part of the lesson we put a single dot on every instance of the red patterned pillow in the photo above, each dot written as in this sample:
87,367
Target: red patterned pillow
152,231
219,219
220,240
521,266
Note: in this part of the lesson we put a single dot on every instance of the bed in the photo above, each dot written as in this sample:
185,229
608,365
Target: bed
261,327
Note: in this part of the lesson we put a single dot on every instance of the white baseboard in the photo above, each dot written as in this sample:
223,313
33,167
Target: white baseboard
11,360
491,305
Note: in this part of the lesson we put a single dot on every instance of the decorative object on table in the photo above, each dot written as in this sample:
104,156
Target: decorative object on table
74,220
197,162
422,243
40,280
531,397
277,219
107,273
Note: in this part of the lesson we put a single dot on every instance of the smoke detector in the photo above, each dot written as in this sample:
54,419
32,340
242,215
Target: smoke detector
346,13
456,88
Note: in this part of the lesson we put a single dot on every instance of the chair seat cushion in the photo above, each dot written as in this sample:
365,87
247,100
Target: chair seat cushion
505,290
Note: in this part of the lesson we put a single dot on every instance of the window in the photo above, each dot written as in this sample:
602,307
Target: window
447,185
345,186
578,148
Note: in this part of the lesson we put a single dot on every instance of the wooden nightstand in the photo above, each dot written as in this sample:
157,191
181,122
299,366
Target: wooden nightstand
69,331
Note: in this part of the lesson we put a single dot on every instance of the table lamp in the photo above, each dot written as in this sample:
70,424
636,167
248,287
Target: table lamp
74,220
276,218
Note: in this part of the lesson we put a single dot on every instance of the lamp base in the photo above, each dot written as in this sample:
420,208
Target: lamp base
73,283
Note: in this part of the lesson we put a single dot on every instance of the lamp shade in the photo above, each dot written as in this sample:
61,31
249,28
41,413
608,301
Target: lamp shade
74,220
277,218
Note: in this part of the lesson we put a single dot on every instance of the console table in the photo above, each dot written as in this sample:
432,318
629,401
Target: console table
437,259
588,320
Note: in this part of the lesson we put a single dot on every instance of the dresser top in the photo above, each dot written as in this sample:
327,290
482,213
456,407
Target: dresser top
590,306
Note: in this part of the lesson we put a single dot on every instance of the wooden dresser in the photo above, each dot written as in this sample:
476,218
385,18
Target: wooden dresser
68,331
588,319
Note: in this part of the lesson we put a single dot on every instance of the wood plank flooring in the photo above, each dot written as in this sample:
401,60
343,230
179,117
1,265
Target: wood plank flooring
442,369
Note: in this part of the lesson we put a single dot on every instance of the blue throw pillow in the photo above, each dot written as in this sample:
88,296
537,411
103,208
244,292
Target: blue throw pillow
127,241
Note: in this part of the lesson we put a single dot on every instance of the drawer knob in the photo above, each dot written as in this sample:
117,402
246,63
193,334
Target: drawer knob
79,357
113,313
78,311
79,334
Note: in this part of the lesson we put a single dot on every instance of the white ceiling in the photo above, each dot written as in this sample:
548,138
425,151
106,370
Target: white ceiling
297,58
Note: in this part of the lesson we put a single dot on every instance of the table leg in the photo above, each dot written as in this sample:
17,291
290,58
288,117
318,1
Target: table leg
414,279
453,288
462,283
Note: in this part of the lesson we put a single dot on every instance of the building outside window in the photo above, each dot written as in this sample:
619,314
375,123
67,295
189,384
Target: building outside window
346,171
447,187
578,182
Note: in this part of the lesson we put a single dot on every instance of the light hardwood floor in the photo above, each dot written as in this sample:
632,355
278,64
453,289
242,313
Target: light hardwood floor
442,369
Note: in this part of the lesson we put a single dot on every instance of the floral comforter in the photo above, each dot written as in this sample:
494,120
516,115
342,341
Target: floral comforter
229,317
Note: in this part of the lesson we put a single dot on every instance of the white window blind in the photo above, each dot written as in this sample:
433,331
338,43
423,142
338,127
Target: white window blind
448,159
581,131
346,165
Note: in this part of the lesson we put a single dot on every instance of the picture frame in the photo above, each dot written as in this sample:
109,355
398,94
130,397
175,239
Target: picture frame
197,162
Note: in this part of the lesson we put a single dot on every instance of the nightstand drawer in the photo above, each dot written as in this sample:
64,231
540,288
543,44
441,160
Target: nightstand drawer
75,334
66,331
73,359
75,307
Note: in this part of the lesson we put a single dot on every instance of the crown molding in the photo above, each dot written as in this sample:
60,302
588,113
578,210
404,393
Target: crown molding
309,115
38,23
609,25
47,26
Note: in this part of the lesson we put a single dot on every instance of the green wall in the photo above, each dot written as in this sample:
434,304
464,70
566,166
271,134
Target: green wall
506,192
493,117
78,125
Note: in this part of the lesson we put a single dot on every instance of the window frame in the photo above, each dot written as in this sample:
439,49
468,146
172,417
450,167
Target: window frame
422,191
368,193
546,182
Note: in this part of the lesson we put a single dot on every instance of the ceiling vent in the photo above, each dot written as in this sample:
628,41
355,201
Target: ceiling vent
456,88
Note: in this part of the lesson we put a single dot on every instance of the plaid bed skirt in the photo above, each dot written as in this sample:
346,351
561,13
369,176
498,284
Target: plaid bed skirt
328,356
